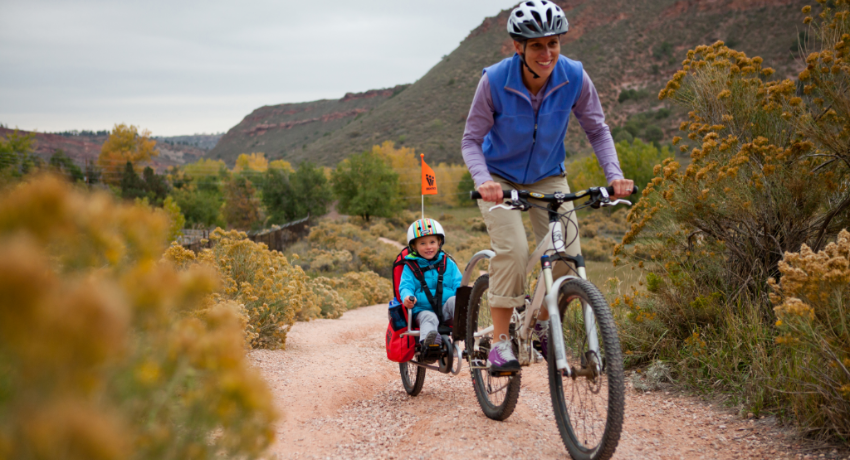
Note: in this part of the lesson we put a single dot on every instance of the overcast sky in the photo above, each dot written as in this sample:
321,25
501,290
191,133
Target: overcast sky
181,67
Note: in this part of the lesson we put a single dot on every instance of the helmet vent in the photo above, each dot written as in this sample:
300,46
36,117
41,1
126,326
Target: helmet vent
520,14
537,19
548,15
531,4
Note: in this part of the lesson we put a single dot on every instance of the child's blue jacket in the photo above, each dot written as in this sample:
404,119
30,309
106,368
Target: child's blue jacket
410,286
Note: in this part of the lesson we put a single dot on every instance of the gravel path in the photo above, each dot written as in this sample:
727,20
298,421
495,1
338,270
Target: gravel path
341,398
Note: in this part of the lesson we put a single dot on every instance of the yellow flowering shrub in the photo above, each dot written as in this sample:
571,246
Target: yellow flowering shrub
332,249
769,173
813,306
102,354
327,298
273,291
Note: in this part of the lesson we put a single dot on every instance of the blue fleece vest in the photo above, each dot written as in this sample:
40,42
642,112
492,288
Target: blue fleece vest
513,148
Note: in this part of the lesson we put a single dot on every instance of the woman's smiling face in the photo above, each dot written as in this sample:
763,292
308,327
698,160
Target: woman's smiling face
541,54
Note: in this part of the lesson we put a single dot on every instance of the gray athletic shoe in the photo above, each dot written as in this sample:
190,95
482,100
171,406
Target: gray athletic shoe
431,347
502,358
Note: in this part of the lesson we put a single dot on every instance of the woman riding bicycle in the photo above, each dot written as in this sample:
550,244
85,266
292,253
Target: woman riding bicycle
514,139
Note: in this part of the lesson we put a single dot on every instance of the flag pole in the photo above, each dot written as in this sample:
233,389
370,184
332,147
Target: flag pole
421,167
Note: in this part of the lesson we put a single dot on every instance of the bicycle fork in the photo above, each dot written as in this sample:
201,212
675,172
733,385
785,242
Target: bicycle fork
557,332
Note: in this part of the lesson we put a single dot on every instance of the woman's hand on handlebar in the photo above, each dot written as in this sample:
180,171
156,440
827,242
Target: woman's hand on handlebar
622,187
491,191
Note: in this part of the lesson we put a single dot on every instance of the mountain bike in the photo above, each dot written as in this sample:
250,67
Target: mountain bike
585,363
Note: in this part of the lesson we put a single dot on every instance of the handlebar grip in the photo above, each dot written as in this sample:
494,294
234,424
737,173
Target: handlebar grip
474,195
611,190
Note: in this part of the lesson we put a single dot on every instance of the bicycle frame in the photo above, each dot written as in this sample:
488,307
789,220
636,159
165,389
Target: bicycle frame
546,290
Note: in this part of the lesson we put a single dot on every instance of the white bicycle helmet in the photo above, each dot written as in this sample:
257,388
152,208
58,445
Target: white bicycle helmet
425,227
535,19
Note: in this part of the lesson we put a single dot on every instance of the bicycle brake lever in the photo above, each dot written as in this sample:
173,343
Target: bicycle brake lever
616,202
503,206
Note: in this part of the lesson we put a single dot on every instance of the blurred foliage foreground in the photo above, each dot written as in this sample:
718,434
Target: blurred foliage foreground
107,352
111,350
745,292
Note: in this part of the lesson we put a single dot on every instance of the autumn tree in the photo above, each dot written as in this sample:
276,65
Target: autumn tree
404,162
366,185
282,165
124,144
448,178
241,207
253,163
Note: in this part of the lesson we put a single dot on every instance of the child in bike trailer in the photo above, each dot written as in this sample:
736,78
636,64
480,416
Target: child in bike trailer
429,292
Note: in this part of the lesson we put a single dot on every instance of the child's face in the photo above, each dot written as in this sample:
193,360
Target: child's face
427,246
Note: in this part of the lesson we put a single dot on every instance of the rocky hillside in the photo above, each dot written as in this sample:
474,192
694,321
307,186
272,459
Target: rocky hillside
289,130
630,48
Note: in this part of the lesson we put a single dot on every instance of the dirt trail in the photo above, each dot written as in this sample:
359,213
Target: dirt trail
341,398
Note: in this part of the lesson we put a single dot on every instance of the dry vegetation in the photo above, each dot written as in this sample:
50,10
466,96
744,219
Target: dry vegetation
108,352
769,176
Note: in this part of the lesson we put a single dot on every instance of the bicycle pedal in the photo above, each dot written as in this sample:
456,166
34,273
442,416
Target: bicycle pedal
503,373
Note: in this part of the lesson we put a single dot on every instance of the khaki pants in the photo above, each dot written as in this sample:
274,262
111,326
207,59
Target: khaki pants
508,241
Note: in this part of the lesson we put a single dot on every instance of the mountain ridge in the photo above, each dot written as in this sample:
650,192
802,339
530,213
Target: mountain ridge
624,45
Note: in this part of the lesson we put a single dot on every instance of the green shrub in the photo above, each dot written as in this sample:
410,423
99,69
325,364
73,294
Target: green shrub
632,94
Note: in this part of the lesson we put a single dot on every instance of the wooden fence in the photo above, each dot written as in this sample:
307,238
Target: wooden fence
277,238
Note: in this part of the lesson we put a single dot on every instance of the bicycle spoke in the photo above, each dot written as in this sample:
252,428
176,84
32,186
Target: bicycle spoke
589,419
497,395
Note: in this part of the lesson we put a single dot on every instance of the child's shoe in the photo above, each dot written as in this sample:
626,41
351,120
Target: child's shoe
433,338
502,358
431,346
542,331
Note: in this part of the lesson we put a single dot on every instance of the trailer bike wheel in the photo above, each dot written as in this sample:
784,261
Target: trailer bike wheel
412,377
588,404
497,395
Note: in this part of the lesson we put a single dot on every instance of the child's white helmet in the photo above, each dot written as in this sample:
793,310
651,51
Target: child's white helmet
536,19
425,227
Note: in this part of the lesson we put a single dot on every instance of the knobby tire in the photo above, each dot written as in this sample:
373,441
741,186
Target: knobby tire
412,378
481,379
572,413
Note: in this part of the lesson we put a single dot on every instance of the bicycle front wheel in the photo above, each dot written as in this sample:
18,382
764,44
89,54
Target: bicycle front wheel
497,395
589,404
412,377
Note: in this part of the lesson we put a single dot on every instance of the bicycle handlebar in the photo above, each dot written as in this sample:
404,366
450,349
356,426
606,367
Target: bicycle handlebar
593,192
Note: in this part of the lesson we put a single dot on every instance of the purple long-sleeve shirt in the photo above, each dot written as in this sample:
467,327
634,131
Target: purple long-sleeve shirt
588,111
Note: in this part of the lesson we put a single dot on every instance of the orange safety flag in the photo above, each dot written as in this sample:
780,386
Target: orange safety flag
429,179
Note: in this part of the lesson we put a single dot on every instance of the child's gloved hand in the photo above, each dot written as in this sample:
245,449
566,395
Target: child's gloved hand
409,302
